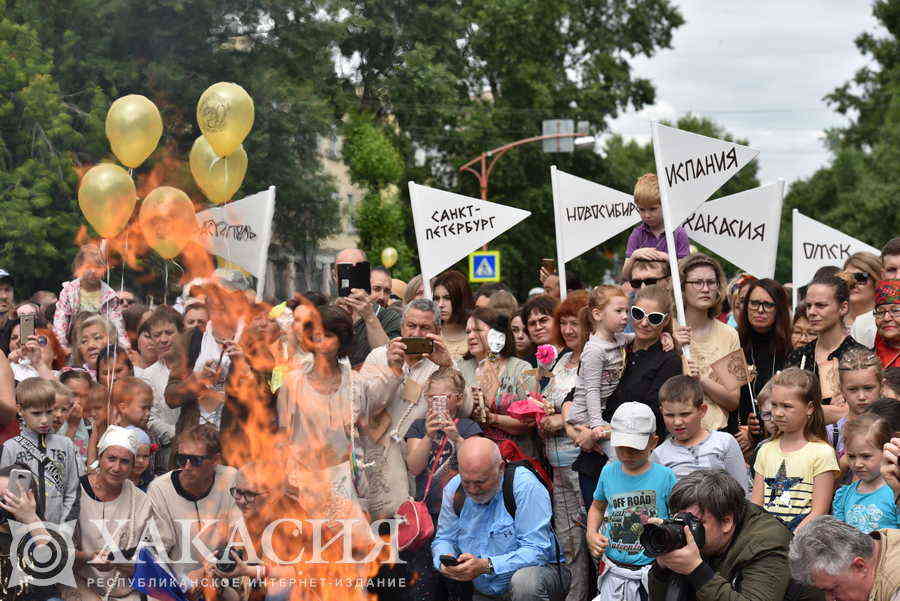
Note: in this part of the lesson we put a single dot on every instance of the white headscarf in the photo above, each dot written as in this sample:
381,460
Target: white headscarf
117,436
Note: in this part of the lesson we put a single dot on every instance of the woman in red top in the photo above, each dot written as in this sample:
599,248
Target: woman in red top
887,321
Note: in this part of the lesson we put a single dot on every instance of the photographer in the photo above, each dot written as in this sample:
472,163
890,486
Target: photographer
737,551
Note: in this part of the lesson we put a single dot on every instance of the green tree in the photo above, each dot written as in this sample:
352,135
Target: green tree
376,164
857,192
170,51
461,77
37,181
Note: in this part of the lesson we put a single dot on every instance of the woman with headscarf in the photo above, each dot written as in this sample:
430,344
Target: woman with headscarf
108,497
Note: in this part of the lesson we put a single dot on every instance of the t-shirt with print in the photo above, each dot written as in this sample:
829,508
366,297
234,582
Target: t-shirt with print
445,466
865,511
630,502
789,478
722,340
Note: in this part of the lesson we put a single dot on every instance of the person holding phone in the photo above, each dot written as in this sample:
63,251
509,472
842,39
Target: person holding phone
19,504
373,325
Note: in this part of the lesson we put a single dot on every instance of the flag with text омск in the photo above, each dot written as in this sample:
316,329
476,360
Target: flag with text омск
449,226
817,245
690,167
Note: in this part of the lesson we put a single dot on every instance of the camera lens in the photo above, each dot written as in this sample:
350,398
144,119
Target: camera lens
659,540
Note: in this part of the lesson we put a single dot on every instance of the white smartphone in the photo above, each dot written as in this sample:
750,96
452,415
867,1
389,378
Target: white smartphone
19,482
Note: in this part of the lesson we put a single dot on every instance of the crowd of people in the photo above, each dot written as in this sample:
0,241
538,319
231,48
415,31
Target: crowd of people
590,447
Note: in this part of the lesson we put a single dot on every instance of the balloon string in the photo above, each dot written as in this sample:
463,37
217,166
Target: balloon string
124,261
166,284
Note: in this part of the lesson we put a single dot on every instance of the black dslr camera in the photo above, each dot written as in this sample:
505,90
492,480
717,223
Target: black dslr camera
225,563
661,539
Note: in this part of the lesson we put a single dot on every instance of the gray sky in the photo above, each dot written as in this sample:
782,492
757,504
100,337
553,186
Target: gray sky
760,69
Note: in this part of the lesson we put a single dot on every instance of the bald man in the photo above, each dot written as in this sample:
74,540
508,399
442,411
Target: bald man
510,555
373,325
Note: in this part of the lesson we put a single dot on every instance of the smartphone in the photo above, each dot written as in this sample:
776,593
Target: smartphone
418,346
352,276
19,482
449,560
439,406
549,266
26,328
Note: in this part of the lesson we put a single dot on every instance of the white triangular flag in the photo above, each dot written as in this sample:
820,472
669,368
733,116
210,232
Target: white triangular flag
587,214
742,228
449,226
240,231
690,167
817,245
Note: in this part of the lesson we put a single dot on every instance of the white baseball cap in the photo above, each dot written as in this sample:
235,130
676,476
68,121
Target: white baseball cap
632,426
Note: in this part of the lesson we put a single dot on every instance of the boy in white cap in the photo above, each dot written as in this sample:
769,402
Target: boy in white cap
631,491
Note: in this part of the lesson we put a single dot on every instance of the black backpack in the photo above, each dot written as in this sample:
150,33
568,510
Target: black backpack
509,497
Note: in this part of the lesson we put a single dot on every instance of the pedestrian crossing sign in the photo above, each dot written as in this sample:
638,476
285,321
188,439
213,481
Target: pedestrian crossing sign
484,266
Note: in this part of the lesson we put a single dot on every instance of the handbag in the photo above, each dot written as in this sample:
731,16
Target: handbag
415,524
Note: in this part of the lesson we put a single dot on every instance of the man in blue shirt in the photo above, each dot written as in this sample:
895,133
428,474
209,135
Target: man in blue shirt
506,557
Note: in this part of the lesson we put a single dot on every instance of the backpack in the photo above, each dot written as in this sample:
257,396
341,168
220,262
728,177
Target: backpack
514,457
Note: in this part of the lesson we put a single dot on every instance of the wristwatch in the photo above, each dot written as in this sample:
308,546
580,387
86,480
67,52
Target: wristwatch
490,566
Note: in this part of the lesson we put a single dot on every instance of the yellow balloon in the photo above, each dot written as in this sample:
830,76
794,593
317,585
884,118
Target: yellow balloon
389,257
225,115
133,126
218,177
167,221
107,197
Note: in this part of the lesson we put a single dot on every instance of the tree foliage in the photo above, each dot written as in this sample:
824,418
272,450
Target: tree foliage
170,51
857,192
37,141
461,77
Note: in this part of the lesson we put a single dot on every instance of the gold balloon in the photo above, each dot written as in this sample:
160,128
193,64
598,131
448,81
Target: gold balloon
107,196
133,126
389,257
168,221
225,115
218,177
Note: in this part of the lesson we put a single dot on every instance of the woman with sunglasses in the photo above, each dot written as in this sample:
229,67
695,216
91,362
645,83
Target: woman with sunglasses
865,268
647,365
765,332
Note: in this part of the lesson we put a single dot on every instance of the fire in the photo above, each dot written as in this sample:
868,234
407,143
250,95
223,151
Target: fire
253,438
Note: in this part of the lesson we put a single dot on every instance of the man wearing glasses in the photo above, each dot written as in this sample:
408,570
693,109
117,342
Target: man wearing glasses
646,273
185,502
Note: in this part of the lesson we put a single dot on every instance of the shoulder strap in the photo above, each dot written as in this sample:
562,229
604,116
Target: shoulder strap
509,496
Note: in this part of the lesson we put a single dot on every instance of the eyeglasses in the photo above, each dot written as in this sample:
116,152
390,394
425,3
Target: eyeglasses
882,313
247,495
655,319
763,306
765,416
645,282
182,459
701,284
860,277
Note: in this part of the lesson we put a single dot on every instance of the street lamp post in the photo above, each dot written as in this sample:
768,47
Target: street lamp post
486,167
